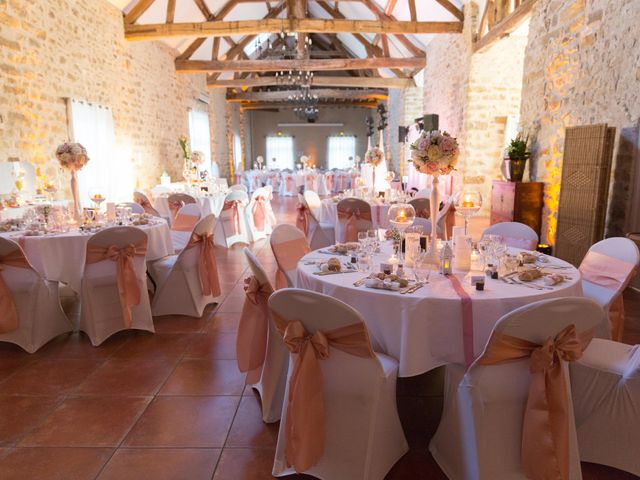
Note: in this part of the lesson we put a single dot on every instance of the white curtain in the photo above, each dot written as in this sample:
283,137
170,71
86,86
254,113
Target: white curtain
200,136
280,149
341,152
237,152
110,169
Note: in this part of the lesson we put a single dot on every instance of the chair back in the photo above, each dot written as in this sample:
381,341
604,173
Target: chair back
421,206
494,397
182,198
238,188
256,267
618,247
425,224
288,245
346,208
188,257
236,194
187,218
120,237
424,193
515,234
135,207
260,192
14,275
141,199
312,201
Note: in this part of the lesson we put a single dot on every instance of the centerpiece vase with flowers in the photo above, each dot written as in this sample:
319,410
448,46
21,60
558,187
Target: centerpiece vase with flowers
434,153
374,157
187,167
73,157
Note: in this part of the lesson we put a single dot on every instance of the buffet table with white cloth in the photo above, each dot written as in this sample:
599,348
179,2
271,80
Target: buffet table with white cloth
61,256
424,330
379,213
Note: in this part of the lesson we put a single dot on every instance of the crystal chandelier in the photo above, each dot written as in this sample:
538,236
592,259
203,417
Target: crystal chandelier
305,104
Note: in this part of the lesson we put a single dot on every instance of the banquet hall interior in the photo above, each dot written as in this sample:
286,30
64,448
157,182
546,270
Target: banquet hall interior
334,239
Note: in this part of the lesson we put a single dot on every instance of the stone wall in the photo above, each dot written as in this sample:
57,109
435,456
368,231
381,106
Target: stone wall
582,67
56,49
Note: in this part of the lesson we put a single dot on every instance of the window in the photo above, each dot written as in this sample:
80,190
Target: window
110,168
200,136
341,152
237,153
280,149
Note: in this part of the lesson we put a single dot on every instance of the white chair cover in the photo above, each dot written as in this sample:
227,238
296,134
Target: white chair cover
363,434
160,190
480,433
183,225
40,316
101,312
330,181
135,208
320,235
273,378
362,224
605,386
321,185
257,213
515,234
288,186
178,288
310,179
239,187
287,257
231,229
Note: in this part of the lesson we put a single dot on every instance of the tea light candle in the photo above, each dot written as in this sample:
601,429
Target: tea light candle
401,217
467,201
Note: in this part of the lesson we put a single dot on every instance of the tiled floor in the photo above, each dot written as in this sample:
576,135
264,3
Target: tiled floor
173,405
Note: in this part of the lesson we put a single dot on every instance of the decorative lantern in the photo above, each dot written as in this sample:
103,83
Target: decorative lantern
446,257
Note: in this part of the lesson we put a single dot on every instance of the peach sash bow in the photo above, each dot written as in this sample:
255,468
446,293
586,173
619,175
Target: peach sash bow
310,182
128,287
340,181
611,273
288,254
146,205
174,207
251,343
302,220
9,320
305,420
545,429
329,180
184,223
259,213
235,215
207,266
289,184
351,218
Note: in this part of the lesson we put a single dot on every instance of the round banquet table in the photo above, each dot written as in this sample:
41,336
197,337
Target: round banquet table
207,203
61,257
424,330
329,213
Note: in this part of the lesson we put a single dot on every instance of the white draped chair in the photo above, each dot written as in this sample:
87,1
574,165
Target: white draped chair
257,214
424,193
272,221
135,207
260,350
605,386
310,179
342,181
515,234
186,283
141,199
239,187
482,432
606,270
354,215
421,206
288,245
183,224
321,185
319,235
342,389
288,186
30,311
114,293
330,181
231,227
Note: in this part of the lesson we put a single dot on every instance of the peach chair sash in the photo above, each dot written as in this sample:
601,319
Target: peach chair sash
9,320
545,429
611,273
329,179
259,213
184,223
302,220
128,288
207,266
351,218
251,343
310,182
146,205
305,420
288,254
271,217
235,215
174,207
289,184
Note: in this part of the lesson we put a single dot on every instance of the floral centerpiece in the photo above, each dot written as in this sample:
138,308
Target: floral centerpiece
435,153
374,156
73,157
188,167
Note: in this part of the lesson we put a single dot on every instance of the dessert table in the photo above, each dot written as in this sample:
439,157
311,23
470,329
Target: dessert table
424,330
61,256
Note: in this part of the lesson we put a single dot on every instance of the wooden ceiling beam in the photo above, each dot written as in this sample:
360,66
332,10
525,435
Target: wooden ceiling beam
322,93
195,66
319,81
412,10
504,27
305,25
451,8
204,9
391,5
286,105
136,12
171,10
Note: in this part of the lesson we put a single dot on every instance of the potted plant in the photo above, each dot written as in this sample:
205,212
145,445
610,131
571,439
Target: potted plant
516,157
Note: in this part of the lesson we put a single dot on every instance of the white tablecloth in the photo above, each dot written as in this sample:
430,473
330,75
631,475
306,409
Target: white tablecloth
62,257
423,330
208,204
329,214
12,213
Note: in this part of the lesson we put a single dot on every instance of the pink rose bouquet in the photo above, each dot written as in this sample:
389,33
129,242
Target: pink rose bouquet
374,156
72,156
435,153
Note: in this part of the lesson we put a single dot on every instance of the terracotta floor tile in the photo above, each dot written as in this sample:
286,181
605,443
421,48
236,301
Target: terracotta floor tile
10,365
179,324
50,377
78,345
204,377
159,345
245,464
232,303
223,323
184,422
88,422
217,345
161,464
53,463
126,376
21,414
248,429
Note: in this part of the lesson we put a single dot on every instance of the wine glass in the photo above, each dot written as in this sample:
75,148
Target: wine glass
422,268
468,203
362,239
96,195
372,237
